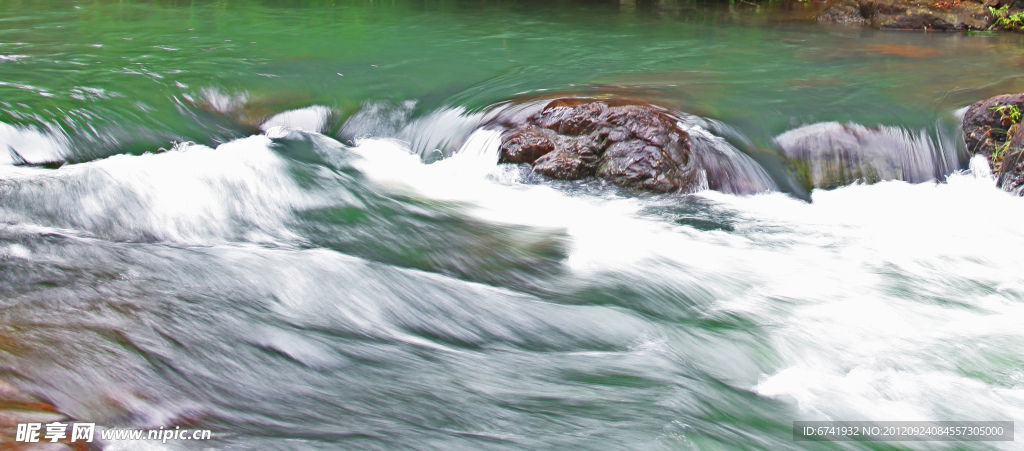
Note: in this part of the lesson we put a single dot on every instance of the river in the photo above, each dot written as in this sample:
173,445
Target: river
359,272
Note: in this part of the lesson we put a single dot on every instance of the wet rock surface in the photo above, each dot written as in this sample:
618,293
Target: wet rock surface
632,145
525,145
830,154
910,14
1011,175
992,128
985,125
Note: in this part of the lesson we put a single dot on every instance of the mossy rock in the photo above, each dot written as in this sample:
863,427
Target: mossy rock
990,131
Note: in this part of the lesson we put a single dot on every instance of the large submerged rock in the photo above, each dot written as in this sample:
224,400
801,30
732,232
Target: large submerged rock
992,128
636,146
630,144
911,14
830,154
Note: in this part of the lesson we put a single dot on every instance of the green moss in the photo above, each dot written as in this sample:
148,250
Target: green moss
1011,113
802,171
1007,20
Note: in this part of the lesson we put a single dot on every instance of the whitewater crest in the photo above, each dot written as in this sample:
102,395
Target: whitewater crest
25,145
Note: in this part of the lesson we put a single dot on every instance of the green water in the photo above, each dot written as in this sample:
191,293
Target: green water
332,290
759,70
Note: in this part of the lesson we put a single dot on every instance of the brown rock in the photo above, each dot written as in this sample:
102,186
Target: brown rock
630,144
570,117
990,130
1011,174
984,127
564,165
910,14
636,163
524,145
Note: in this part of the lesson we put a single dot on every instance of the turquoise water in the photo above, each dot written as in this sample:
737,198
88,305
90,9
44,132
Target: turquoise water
360,273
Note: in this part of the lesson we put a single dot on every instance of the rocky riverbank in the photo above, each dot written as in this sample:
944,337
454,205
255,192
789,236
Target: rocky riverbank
950,15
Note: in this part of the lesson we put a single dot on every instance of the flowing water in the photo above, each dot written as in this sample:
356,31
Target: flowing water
357,271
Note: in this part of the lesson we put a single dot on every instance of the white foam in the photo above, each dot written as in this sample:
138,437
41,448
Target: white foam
192,194
12,58
980,168
875,300
492,193
911,279
223,102
874,297
310,119
16,251
29,144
